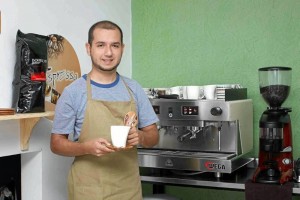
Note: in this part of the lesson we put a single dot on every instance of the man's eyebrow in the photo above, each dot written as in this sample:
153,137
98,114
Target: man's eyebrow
99,42
116,42
102,42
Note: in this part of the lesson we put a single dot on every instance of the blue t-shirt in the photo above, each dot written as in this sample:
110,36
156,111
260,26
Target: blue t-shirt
70,108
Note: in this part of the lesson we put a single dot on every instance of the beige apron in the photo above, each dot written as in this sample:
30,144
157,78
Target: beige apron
114,176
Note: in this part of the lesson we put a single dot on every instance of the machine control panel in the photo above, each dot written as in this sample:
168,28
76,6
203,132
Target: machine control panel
190,110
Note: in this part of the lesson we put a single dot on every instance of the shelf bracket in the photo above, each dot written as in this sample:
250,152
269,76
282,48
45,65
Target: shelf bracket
27,123
26,126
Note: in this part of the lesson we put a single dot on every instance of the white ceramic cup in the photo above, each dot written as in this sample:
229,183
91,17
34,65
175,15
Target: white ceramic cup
119,135
184,93
192,92
177,90
201,92
210,91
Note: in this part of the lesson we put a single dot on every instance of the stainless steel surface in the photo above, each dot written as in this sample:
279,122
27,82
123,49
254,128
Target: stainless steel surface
196,161
297,170
213,137
235,180
201,135
205,125
297,179
174,107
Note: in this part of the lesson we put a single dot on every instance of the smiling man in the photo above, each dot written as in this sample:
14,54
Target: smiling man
88,108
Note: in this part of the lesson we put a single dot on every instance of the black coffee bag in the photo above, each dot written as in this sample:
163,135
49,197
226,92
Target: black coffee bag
30,73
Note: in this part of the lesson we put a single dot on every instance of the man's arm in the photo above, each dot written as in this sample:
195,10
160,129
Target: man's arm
146,137
61,145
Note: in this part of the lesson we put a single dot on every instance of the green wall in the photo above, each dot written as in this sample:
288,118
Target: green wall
199,42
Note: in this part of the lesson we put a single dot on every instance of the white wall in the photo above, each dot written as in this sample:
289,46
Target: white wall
71,19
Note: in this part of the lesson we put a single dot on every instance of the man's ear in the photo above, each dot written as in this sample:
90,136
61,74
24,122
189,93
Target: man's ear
123,47
88,48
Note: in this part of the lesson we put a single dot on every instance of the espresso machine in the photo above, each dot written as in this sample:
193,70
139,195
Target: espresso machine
275,164
201,135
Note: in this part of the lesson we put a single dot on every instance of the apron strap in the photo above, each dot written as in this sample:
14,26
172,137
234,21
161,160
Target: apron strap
88,86
128,89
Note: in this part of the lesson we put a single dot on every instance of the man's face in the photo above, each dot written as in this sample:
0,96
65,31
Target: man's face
106,49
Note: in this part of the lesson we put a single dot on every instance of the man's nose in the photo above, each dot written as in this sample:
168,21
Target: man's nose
108,50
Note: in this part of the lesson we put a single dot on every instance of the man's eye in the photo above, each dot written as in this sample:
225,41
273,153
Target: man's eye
116,46
100,45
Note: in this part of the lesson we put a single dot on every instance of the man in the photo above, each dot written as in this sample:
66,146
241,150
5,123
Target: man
87,108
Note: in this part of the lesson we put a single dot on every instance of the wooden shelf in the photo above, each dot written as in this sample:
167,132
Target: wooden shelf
27,115
27,123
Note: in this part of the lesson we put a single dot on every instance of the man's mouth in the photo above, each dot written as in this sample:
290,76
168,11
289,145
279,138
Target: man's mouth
107,61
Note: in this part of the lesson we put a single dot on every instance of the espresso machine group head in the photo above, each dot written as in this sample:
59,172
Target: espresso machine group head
275,163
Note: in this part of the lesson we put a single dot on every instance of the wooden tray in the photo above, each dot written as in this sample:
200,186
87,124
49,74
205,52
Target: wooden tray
7,111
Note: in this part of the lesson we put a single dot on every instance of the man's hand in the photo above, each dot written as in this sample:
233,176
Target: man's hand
146,137
133,137
97,147
62,146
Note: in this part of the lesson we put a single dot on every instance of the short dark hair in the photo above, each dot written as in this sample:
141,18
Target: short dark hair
103,25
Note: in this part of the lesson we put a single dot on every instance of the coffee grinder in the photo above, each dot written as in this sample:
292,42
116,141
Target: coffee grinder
275,165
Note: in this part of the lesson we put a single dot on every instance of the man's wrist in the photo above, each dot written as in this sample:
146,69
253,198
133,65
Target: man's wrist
141,137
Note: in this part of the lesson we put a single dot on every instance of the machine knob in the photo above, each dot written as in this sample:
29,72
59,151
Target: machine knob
286,161
216,111
170,110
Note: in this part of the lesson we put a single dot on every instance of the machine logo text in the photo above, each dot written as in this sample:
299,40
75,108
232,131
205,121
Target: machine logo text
211,166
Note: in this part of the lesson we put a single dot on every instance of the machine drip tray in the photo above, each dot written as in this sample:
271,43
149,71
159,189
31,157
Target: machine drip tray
189,160
224,156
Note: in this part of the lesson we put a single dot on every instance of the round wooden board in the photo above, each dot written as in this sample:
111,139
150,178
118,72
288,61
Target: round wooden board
63,69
